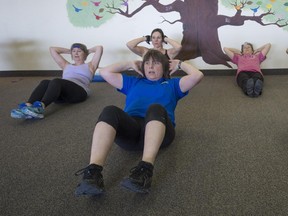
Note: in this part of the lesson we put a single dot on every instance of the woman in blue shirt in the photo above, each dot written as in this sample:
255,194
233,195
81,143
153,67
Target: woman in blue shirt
146,123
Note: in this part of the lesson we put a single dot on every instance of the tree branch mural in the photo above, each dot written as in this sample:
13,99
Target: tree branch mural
200,20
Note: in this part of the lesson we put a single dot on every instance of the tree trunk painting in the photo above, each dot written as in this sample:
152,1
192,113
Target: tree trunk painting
199,18
200,22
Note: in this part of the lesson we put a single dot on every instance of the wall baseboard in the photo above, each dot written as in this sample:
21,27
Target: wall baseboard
58,73
24,73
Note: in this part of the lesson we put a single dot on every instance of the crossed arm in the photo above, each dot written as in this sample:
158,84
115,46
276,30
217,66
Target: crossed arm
57,52
112,73
231,51
133,45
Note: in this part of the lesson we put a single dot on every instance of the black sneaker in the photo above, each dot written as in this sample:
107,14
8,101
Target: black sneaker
250,87
92,183
140,178
258,87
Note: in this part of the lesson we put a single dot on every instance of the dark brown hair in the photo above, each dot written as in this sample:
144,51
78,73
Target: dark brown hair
157,56
160,31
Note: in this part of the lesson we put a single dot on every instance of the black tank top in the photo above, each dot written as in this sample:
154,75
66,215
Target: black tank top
166,54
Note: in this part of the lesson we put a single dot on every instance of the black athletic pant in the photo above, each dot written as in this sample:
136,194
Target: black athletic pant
58,90
243,77
130,130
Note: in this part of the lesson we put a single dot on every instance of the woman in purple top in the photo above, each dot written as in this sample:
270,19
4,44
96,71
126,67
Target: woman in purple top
73,87
249,75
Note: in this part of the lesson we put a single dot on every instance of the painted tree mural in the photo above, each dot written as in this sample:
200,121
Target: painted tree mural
199,18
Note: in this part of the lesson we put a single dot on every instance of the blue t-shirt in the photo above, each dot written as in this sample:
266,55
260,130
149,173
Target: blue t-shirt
141,93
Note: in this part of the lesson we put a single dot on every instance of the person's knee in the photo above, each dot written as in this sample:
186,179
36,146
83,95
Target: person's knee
109,115
108,110
156,112
55,81
45,82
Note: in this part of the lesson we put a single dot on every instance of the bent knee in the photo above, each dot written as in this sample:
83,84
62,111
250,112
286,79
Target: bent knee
156,112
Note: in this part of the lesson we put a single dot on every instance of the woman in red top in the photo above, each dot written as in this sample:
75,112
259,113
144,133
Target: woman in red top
249,76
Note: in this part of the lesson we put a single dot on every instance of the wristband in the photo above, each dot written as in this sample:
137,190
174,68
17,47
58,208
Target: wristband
164,39
148,38
179,65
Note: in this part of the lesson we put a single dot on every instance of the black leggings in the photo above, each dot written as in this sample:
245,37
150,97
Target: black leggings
130,130
243,77
58,90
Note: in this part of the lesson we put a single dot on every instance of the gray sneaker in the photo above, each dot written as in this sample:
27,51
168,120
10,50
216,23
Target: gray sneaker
250,87
258,87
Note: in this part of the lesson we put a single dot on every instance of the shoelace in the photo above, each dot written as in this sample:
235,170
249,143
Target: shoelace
80,172
138,170
87,173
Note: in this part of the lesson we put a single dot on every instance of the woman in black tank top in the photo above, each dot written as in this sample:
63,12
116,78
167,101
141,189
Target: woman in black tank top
157,38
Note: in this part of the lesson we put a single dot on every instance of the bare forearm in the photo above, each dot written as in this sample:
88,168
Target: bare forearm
97,48
233,50
60,50
264,49
190,69
173,43
133,43
117,67
193,77
230,52
112,73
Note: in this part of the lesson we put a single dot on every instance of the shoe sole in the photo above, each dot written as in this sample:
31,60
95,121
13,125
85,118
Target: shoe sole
16,115
127,184
30,113
250,87
258,87
86,189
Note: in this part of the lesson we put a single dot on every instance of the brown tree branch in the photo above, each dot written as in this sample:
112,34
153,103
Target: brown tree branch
165,20
155,3
126,13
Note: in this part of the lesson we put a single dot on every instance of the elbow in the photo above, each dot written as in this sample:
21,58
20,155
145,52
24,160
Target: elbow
269,45
103,73
51,49
201,75
100,48
129,45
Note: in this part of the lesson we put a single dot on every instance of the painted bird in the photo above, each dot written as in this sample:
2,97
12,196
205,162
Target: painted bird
97,17
125,3
238,7
77,9
255,10
96,3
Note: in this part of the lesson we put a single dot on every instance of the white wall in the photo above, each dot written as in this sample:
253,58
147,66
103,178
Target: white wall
29,27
